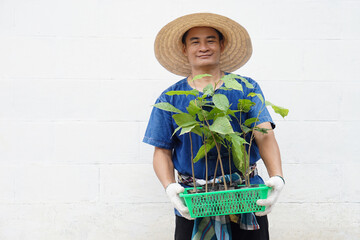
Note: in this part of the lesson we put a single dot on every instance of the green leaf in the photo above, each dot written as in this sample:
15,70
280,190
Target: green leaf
244,80
235,138
201,76
238,153
184,120
232,83
193,109
208,90
197,130
244,105
193,92
262,130
167,107
225,88
246,129
210,144
279,110
221,102
177,129
232,76
187,129
231,112
207,133
221,125
250,121
215,112
200,115
252,94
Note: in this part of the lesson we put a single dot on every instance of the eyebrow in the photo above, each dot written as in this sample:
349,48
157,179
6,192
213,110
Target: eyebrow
208,37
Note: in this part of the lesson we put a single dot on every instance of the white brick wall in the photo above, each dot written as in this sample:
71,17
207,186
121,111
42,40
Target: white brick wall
77,81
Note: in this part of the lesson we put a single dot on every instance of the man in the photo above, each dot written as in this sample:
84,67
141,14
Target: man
196,44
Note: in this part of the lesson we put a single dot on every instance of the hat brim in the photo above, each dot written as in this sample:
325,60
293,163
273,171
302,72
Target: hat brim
169,47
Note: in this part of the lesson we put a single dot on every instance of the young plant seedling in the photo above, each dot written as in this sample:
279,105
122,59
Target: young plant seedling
211,120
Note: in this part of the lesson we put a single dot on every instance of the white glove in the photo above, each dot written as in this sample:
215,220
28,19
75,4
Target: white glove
276,183
173,190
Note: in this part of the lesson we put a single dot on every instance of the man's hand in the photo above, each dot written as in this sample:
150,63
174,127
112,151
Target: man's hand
173,190
276,183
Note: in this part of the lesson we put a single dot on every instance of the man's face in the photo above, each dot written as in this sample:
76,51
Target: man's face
203,47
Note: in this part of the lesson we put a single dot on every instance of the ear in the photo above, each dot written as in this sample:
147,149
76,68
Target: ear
184,50
222,46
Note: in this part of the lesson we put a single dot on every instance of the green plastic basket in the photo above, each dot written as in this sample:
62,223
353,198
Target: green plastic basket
242,200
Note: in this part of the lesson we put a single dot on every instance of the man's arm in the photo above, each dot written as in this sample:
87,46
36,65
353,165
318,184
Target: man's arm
270,154
163,166
164,169
269,150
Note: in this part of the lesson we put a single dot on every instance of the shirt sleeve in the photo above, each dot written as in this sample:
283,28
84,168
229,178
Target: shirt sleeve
160,128
260,110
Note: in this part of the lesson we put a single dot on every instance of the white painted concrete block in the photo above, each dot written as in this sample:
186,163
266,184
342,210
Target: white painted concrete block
71,57
289,95
105,100
314,221
34,99
301,19
305,100
350,19
130,183
334,61
69,142
27,56
55,17
348,147
7,184
26,142
310,142
92,142
6,18
349,185
312,183
350,96
158,221
56,184
86,221
275,60
146,151
6,98
131,100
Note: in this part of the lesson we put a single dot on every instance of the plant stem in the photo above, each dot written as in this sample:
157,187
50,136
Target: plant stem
247,178
192,162
221,166
219,158
230,166
216,166
206,169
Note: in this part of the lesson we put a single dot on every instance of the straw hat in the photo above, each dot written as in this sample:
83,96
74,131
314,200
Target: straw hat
169,48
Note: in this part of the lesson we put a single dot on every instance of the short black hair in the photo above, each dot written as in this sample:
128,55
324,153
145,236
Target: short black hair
183,39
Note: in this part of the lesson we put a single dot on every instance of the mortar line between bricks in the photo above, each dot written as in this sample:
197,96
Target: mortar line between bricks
136,203
165,79
143,121
110,37
99,184
71,121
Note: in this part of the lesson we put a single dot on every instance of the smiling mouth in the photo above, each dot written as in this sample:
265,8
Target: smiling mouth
204,56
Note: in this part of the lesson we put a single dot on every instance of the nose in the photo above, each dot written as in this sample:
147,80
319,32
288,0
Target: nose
203,47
